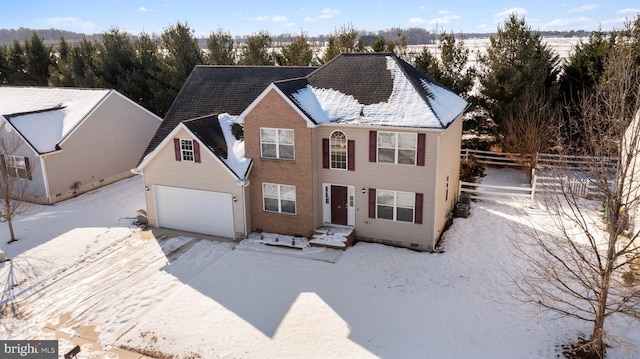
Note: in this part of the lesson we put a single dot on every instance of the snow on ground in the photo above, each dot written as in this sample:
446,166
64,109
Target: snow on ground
81,263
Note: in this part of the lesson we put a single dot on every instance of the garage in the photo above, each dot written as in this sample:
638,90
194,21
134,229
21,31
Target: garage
194,210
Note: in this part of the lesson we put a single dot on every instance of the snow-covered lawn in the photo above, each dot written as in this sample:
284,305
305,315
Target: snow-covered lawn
84,262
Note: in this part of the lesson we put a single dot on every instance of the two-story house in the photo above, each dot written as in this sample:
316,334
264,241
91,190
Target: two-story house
365,141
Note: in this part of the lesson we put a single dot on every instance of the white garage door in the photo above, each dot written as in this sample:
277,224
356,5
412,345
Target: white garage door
195,211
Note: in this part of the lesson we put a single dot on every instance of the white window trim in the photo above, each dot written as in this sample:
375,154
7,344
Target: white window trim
346,151
279,198
277,143
184,151
397,148
396,206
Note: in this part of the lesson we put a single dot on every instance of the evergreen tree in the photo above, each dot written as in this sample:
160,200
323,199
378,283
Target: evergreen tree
297,53
516,61
37,60
382,45
4,65
117,59
85,64
257,50
343,40
580,75
17,65
148,75
452,70
220,48
181,54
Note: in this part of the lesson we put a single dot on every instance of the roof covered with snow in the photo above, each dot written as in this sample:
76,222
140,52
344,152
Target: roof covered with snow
221,135
212,90
45,116
373,89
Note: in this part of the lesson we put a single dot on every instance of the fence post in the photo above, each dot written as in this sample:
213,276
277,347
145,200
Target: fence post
534,179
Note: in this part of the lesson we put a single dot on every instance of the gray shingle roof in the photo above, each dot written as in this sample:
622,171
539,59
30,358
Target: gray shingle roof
212,90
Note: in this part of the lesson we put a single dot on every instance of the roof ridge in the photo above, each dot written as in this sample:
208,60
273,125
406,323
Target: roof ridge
17,114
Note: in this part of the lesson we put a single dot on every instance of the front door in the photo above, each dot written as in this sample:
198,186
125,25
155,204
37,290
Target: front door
339,205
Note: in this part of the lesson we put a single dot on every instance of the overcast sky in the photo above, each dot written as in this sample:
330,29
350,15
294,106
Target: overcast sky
245,17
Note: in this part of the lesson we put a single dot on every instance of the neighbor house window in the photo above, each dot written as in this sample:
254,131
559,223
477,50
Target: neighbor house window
395,205
16,166
338,150
397,147
279,198
276,143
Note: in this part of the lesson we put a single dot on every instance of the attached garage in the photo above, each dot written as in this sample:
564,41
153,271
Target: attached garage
194,210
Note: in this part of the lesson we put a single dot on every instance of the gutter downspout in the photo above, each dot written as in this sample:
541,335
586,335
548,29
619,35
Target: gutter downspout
45,179
436,191
245,187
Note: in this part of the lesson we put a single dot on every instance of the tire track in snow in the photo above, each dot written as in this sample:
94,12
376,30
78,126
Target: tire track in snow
97,279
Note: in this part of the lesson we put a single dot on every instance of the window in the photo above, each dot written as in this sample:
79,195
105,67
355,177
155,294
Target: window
17,166
279,198
397,147
395,205
186,150
338,150
276,143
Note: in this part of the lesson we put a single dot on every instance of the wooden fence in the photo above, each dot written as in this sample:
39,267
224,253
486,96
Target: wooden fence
488,192
544,160
547,180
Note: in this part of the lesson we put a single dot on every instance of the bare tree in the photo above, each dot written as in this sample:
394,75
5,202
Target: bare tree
530,128
581,267
16,194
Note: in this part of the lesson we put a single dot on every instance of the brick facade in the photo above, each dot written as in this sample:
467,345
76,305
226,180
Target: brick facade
274,112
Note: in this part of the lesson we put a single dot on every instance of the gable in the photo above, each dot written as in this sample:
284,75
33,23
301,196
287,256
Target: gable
220,89
273,100
234,162
46,116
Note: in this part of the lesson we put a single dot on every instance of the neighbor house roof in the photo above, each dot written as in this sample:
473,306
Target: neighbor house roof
373,89
45,116
212,90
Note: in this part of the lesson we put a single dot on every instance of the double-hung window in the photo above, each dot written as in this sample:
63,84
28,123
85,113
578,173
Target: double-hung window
279,198
276,143
397,147
16,166
395,205
186,150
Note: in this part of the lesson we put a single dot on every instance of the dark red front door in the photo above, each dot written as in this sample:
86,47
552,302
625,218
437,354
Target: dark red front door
339,205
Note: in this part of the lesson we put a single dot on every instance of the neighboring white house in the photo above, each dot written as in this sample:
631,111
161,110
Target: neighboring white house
66,141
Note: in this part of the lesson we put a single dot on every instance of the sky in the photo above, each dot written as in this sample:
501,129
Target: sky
248,17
